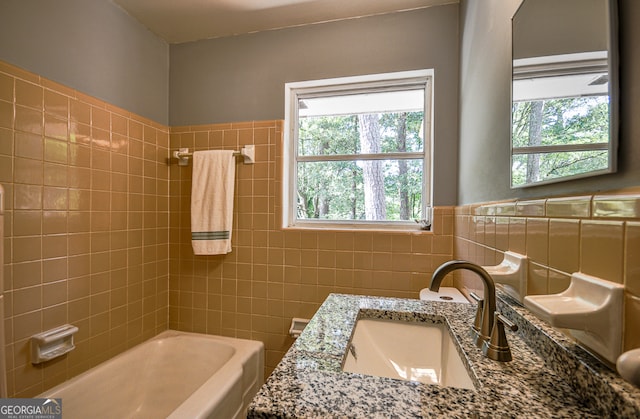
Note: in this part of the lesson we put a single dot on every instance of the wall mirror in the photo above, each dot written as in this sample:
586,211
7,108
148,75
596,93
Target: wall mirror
564,115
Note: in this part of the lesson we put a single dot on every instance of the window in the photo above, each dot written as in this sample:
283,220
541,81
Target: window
357,151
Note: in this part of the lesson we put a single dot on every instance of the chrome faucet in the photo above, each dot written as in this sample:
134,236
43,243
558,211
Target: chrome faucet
488,329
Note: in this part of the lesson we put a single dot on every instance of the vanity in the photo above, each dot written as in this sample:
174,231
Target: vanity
549,376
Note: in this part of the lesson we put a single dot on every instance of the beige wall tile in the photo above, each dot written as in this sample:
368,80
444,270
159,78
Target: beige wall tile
601,249
27,223
476,232
26,325
631,322
564,245
55,127
54,270
64,167
571,207
28,145
29,94
502,233
363,241
558,281
28,120
100,118
632,261
27,248
534,208
55,175
79,112
56,104
56,151
537,279
6,114
6,87
517,235
28,171
26,300
537,240
490,231
505,209
616,206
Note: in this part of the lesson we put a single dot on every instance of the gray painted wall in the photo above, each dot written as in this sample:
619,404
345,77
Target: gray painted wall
242,78
485,100
92,46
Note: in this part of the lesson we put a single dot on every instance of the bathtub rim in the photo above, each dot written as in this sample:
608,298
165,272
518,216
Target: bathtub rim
202,401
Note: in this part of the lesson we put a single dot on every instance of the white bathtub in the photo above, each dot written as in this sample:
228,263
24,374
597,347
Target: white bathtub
174,375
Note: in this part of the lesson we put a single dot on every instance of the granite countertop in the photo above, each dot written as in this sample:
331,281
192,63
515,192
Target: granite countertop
549,376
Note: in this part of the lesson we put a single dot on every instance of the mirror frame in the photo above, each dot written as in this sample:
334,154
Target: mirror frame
613,71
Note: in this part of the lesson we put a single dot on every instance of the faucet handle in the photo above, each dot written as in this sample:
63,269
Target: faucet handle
477,323
497,348
505,321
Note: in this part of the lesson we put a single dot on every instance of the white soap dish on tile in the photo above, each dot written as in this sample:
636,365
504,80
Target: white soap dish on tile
512,274
297,326
591,308
53,343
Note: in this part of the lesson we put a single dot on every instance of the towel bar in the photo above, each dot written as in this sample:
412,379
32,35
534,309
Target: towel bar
248,152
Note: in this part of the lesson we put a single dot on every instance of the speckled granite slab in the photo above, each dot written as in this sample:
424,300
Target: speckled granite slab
593,381
309,382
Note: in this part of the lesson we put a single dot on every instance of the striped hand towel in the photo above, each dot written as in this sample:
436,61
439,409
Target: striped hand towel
212,201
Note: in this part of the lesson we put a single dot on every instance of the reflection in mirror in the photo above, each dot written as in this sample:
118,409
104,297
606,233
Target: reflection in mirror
563,116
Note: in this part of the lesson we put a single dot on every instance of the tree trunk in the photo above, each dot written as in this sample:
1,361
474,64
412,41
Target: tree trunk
535,139
316,207
302,210
354,194
374,198
354,181
403,168
322,208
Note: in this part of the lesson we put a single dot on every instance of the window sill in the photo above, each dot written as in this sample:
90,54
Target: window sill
354,228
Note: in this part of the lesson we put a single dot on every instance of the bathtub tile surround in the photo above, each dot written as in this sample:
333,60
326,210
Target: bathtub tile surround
597,235
310,383
86,226
273,275
96,218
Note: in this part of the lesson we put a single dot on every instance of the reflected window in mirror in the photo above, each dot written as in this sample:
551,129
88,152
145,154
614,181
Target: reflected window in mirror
563,117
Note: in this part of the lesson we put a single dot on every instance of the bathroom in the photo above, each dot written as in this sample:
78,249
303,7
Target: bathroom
97,224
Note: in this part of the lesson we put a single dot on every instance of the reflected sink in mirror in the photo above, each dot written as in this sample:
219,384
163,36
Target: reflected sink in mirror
423,352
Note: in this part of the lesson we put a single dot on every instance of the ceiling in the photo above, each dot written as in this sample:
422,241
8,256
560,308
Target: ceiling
178,21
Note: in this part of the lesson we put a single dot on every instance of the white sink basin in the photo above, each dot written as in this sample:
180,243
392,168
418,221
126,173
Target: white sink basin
421,352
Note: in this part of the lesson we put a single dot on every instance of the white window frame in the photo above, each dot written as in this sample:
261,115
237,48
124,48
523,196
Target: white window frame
374,81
